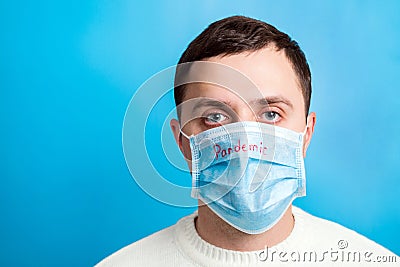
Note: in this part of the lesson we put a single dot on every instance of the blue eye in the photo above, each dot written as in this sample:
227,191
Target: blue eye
215,118
271,116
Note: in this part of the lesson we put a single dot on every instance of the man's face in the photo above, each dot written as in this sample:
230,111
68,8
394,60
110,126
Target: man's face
277,100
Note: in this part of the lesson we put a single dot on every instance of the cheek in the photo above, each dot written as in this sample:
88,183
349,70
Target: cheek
295,121
296,125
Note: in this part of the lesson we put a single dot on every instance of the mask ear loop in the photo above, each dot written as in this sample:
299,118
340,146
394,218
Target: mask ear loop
305,130
185,135
195,190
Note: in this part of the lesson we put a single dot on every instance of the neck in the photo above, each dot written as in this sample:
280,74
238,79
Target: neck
217,232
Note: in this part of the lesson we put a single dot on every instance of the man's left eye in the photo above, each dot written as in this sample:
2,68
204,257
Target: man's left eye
271,116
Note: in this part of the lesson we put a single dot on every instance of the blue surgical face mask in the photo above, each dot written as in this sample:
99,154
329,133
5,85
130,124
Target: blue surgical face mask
248,173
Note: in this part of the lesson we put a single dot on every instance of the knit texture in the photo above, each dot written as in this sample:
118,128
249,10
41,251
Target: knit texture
312,242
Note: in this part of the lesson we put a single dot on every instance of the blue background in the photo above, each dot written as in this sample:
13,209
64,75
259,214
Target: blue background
68,70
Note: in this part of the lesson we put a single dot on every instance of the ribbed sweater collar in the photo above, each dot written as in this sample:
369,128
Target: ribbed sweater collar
203,253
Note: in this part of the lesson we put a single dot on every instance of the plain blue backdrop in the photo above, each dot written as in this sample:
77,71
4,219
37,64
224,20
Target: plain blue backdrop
70,68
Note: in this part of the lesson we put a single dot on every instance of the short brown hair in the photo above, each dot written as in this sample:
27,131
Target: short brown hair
237,34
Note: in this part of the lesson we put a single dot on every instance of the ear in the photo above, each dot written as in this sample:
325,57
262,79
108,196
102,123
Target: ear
311,119
176,131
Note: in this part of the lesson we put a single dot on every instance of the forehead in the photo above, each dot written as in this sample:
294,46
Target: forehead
246,77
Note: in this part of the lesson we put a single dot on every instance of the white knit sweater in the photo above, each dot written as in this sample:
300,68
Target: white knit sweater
312,242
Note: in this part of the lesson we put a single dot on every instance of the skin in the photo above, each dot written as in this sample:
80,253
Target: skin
273,75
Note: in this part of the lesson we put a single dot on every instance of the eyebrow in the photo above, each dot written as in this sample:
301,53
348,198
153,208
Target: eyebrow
211,103
220,104
272,100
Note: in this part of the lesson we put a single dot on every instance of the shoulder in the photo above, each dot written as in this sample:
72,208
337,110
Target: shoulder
155,248
325,234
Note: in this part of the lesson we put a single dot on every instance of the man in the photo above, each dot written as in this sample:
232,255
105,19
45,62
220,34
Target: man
243,92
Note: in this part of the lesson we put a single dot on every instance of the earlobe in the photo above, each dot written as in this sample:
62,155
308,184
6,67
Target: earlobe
311,119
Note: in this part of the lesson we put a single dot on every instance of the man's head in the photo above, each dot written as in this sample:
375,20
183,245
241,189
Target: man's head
259,53
238,34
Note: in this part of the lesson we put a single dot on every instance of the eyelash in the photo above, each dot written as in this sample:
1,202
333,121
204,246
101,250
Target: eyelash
210,122
274,112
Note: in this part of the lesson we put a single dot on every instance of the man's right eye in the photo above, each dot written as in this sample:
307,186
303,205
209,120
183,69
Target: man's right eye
215,118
